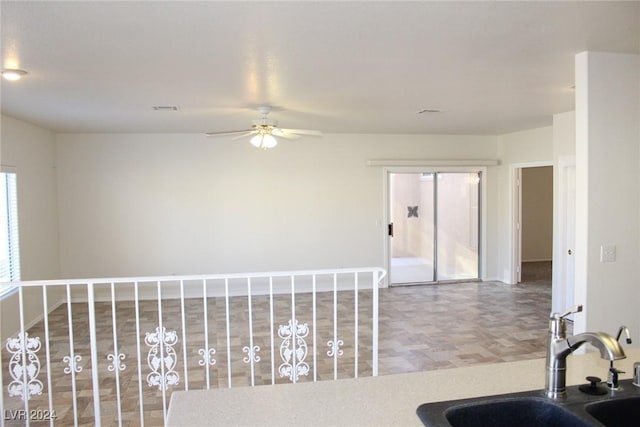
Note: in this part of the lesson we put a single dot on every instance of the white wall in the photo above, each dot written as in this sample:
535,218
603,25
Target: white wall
133,204
30,152
518,149
564,134
608,190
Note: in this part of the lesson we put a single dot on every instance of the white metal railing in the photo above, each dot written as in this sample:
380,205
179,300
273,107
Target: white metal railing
111,351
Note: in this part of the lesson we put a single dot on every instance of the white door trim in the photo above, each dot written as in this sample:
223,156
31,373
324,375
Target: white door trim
516,275
515,208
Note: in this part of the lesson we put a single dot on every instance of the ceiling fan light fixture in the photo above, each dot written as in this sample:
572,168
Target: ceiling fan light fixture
269,141
263,140
256,140
13,74
263,132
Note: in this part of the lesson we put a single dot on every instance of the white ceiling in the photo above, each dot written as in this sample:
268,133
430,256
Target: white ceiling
344,67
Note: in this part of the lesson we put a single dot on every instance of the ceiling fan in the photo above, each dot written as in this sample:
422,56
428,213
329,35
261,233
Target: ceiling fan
265,130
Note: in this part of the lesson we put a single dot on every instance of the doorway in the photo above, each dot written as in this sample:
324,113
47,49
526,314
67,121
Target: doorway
533,223
434,230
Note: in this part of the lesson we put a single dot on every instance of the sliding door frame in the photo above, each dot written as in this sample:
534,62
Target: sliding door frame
386,213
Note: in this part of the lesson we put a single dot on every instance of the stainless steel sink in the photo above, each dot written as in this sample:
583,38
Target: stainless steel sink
618,408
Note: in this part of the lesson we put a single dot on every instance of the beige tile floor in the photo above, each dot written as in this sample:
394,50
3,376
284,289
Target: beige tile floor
421,328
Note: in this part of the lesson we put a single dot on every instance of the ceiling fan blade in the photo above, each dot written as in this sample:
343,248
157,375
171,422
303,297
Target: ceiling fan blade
228,132
288,136
245,135
303,132
280,133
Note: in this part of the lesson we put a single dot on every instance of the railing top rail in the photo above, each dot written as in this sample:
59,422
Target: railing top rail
217,276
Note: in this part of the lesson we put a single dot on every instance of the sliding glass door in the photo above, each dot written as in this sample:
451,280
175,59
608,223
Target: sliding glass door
412,227
434,229
457,222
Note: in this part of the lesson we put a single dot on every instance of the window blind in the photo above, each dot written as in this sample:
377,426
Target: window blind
9,241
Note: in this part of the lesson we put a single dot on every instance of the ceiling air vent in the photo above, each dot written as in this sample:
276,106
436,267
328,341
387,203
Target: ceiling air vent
165,108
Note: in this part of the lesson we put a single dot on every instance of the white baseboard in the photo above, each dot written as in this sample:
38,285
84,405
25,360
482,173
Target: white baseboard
494,279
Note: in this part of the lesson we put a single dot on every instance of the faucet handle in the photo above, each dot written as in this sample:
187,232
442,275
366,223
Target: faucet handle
557,327
576,309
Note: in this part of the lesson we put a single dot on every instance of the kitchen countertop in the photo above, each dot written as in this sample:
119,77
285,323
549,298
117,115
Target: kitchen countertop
372,401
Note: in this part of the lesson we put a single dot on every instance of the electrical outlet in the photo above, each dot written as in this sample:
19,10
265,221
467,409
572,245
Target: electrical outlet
607,253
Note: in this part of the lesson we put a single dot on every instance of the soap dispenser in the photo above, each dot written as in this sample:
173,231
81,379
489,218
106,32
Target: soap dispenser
612,378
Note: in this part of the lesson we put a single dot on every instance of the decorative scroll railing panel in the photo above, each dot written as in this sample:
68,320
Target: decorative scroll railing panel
111,351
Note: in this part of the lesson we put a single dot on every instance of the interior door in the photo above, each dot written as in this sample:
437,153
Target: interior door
568,235
570,222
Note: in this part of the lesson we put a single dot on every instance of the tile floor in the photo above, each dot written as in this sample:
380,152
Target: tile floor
459,324
421,328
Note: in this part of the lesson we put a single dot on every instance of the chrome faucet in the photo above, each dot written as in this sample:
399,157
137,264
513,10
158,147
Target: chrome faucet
626,332
560,346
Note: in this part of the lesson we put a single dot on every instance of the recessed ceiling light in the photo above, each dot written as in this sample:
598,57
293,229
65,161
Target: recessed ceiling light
165,108
429,110
13,74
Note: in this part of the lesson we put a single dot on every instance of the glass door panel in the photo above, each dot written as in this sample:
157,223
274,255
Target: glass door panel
411,208
457,219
